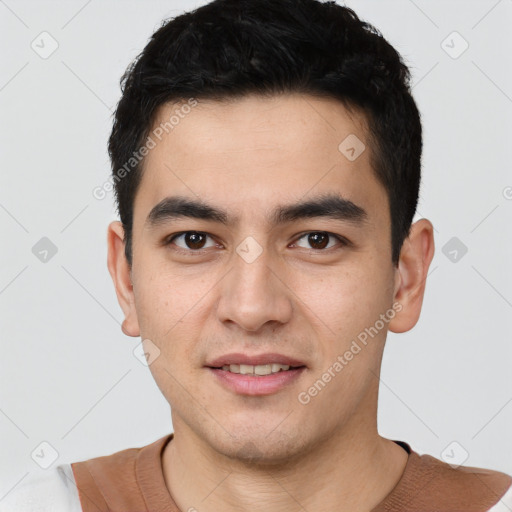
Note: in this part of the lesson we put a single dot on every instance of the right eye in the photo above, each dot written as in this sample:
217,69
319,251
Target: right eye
190,241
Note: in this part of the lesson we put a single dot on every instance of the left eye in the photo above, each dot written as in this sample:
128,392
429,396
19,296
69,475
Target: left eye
320,240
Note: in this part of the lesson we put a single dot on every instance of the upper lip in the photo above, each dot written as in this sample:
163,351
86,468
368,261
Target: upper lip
258,359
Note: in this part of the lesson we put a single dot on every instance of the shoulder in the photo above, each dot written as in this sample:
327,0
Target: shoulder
52,491
115,467
121,480
479,489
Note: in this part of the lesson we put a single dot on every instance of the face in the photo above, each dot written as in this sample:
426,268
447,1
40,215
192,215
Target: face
258,241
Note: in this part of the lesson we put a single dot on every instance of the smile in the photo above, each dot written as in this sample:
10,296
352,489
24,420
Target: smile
258,370
256,380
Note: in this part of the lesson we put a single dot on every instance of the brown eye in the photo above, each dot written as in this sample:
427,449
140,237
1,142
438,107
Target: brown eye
194,240
319,240
191,240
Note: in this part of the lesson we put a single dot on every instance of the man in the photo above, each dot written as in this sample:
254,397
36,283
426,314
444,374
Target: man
266,159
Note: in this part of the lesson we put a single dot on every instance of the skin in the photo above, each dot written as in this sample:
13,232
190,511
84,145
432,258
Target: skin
273,453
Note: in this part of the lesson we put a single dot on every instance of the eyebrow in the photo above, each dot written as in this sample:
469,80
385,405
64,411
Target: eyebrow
330,206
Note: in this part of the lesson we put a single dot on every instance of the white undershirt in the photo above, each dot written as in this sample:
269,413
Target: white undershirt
52,491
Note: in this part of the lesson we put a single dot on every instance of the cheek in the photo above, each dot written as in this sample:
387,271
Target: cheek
344,301
171,308
161,295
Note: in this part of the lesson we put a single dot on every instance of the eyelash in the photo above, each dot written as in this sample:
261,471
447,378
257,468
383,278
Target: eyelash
342,241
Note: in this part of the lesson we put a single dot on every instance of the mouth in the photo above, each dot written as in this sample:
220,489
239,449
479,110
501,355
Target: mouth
259,370
262,374
238,362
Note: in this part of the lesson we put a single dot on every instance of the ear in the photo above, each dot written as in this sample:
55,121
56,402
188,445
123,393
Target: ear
120,272
415,258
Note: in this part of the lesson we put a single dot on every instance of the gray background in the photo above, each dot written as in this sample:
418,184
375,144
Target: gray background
69,376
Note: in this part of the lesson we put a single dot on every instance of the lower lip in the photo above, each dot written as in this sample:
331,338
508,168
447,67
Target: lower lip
256,384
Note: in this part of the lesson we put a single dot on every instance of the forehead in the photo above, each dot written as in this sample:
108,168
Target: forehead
256,151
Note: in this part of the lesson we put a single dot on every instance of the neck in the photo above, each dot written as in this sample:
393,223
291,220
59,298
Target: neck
352,470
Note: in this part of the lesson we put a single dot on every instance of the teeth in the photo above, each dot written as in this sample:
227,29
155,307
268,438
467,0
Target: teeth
259,369
263,369
246,369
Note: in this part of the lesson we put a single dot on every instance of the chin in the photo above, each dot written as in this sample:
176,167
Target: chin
258,447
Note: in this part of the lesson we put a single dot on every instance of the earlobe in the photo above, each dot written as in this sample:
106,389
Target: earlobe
415,258
121,276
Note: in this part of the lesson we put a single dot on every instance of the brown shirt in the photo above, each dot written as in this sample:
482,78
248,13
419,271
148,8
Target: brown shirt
132,480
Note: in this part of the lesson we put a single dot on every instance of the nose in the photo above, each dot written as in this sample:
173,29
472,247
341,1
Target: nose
254,294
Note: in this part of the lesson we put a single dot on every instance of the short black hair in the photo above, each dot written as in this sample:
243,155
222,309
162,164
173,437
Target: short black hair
230,48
